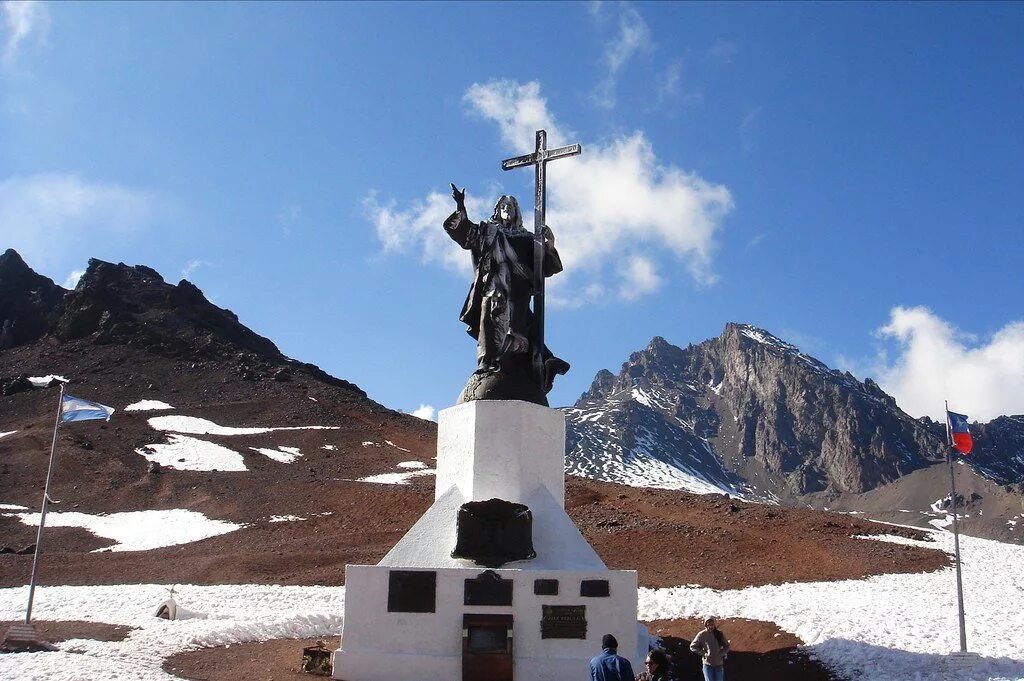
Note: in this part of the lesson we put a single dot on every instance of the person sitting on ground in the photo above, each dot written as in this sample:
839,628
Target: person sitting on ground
609,666
657,666
713,648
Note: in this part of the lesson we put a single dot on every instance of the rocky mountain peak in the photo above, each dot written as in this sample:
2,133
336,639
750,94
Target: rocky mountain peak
770,414
115,303
29,302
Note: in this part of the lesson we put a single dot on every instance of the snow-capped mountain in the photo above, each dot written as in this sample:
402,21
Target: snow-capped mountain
750,415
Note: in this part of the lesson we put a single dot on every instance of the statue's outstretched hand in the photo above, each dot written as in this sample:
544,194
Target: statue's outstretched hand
460,197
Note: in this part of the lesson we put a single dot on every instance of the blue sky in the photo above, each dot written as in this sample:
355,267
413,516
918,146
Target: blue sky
847,176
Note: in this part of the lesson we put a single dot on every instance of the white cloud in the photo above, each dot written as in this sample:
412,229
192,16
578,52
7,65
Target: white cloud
640,277
616,210
633,36
425,412
72,280
22,20
936,361
46,215
519,111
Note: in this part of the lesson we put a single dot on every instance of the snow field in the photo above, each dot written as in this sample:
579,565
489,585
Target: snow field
236,614
9,432
281,454
138,530
193,425
889,626
186,453
148,405
44,381
886,627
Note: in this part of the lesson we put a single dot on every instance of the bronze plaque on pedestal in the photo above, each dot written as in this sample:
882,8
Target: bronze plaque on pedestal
563,621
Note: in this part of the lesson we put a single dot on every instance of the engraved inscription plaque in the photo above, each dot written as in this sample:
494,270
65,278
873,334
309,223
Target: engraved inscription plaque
594,588
488,588
563,621
411,590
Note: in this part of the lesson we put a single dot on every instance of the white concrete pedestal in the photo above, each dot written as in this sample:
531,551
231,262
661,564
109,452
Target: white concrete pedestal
488,449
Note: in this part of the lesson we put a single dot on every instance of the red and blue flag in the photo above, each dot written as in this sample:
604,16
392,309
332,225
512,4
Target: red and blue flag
960,432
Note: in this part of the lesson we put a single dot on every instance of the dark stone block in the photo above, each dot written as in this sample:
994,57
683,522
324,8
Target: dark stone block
412,590
494,532
594,588
488,588
545,587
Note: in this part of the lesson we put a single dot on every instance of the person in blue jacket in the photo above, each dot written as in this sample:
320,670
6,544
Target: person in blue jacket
609,666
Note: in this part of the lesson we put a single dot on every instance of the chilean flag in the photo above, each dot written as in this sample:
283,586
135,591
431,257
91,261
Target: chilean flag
962,440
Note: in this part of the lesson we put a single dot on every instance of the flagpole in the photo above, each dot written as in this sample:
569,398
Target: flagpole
42,515
956,535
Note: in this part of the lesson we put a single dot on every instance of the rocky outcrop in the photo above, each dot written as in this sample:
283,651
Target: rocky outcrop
118,304
777,420
29,302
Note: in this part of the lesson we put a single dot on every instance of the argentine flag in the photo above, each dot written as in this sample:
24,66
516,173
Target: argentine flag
77,409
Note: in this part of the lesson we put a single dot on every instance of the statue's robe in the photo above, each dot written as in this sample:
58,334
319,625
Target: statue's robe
502,261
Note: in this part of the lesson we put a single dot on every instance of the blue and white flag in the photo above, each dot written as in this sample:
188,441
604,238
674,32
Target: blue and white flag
77,409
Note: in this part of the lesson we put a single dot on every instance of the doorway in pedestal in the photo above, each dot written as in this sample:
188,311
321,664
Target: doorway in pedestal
486,647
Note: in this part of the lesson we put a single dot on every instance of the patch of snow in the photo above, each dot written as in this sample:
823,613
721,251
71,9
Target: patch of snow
312,398
282,454
12,507
43,381
370,443
888,626
148,405
392,444
285,518
9,432
329,448
185,453
194,425
397,478
412,464
138,530
236,613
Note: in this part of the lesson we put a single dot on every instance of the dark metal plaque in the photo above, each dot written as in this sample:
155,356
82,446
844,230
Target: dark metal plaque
563,621
412,590
594,588
488,588
545,587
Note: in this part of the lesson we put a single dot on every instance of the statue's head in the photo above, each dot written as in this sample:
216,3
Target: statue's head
506,212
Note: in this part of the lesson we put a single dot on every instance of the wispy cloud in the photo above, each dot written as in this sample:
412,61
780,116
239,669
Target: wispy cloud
723,52
755,240
191,266
621,216
632,36
749,126
935,361
23,21
45,216
425,412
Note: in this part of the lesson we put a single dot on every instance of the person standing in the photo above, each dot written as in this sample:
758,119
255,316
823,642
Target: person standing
713,647
656,666
609,666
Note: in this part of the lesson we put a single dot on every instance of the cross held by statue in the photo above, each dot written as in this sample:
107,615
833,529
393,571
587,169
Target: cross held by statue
539,160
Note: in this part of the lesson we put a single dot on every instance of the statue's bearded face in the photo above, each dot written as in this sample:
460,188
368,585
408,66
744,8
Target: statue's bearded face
506,212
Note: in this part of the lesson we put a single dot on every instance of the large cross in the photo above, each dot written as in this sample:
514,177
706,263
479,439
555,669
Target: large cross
539,159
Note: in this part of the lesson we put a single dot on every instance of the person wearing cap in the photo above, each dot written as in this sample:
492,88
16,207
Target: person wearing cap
713,648
609,665
656,666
